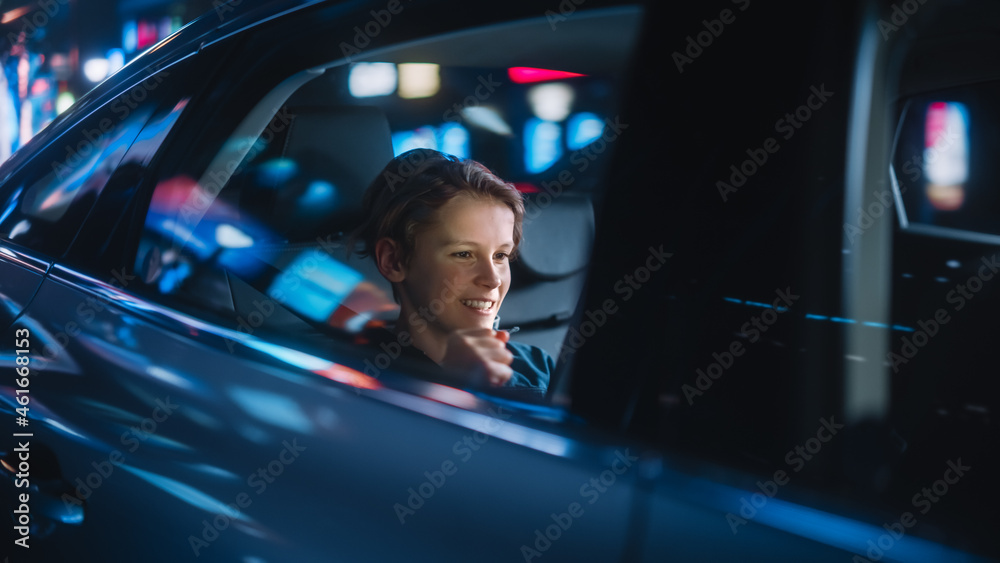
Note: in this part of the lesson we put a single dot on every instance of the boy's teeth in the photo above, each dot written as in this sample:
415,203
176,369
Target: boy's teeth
477,304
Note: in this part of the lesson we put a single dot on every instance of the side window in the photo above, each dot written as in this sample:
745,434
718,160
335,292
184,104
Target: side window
938,170
44,204
945,275
251,227
103,240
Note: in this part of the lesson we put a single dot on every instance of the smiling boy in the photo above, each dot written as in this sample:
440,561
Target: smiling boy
442,231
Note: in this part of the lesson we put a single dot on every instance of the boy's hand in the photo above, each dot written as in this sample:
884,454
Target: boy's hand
481,353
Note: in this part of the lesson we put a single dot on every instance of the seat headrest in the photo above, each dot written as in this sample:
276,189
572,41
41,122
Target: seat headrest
558,236
355,140
312,180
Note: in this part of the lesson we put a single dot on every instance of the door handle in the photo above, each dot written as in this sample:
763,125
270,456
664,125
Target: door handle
30,472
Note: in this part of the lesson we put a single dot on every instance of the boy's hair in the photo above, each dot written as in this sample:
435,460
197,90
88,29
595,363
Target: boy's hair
405,196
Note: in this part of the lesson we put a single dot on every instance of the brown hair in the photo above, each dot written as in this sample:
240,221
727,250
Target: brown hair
410,189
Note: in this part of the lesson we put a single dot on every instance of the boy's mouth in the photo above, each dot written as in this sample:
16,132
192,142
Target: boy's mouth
477,304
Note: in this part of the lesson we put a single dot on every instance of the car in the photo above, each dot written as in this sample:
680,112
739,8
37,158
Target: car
753,240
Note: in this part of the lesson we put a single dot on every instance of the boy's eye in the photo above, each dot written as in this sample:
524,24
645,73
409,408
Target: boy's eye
463,254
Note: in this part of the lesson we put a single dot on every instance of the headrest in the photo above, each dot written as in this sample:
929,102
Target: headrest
355,140
558,235
310,182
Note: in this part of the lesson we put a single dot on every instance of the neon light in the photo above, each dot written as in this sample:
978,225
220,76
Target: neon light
525,75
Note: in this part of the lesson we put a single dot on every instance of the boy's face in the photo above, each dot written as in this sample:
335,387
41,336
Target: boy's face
459,272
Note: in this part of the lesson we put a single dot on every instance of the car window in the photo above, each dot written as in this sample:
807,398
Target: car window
44,204
102,241
252,228
944,300
939,173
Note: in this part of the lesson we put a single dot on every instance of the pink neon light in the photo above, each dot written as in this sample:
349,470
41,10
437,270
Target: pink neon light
936,123
524,74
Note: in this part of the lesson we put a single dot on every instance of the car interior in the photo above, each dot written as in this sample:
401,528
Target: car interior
945,120
278,227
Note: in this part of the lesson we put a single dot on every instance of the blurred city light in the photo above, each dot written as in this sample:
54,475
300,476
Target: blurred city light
228,236
524,75
130,36
551,102
454,139
14,14
449,138
372,79
64,101
946,154
487,118
147,34
419,80
582,129
419,138
542,145
96,70
44,72
116,60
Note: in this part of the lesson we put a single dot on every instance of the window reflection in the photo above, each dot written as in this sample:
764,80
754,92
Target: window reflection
48,203
946,154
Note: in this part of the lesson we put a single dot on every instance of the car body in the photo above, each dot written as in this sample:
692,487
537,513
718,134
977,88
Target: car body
175,267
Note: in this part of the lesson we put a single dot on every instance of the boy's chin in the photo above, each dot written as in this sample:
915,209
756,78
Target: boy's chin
484,323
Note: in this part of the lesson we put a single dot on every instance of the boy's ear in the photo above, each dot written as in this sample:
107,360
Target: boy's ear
389,259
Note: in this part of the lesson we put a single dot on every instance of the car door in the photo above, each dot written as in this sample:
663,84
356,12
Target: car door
757,355
62,197
204,416
45,202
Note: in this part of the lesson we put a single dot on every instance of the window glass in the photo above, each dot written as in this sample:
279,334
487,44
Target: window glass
103,241
256,232
945,298
45,203
941,163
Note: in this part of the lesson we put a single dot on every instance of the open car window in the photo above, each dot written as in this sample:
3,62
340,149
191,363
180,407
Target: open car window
940,163
256,234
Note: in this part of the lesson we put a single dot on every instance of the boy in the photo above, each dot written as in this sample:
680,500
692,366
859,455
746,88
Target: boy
442,231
